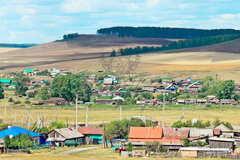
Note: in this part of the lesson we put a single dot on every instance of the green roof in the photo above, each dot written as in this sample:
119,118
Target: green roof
28,70
13,84
44,81
5,80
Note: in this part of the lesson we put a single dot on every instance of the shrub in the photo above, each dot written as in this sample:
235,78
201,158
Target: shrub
208,105
10,99
17,102
31,94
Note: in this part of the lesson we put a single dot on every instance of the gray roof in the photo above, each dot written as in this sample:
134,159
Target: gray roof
204,149
222,139
198,132
69,133
223,128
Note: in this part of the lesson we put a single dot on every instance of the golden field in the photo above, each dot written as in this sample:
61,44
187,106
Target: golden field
106,115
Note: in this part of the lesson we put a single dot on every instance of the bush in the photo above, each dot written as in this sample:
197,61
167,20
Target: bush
10,99
17,102
27,102
31,94
208,105
129,147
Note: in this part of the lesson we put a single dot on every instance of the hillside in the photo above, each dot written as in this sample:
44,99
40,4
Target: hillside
82,48
87,51
226,47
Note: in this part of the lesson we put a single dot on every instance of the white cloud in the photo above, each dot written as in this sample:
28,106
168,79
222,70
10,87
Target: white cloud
77,6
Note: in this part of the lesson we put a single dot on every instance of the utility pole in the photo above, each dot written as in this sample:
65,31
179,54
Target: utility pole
182,117
86,125
5,111
76,111
163,123
120,112
21,118
28,120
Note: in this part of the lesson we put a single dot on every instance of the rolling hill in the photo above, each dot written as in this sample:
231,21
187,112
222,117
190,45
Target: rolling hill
86,52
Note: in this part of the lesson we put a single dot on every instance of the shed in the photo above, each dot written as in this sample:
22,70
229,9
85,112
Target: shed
222,143
197,152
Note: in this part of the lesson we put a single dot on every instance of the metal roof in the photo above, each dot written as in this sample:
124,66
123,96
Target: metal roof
175,133
198,132
204,149
68,133
145,132
16,131
5,80
90,130
222,139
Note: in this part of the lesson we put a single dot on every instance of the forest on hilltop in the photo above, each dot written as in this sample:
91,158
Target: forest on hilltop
164,32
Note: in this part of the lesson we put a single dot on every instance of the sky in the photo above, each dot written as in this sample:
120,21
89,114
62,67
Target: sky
41,21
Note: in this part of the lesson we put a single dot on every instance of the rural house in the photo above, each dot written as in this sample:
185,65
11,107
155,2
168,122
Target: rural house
105,101
91,134
14,131
64,136
5,81
225,132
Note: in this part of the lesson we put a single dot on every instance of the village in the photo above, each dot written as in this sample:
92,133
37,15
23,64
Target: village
136,136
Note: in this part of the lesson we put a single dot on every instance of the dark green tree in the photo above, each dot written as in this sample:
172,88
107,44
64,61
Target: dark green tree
225,90
44,93
1,92
113,53
68,86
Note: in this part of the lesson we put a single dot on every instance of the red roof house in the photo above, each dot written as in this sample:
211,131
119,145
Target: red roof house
176,133
149,134
90,130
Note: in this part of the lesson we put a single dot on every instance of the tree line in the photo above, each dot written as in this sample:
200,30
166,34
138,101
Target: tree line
24,45
164,32
70,36
189,43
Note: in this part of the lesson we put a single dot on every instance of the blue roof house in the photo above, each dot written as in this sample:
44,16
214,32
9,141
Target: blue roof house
171,87
190,79
14,131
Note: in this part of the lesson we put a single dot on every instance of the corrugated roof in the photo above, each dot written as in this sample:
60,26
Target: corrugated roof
90,130
145,132
5,80
216,132
16,131
176,133
177,141
222,139
204,149
198,132
28,70
223,128
69,133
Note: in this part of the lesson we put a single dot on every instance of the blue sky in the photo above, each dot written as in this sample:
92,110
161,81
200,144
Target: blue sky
40,21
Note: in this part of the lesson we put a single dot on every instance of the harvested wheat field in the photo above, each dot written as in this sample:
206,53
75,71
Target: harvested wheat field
106,115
